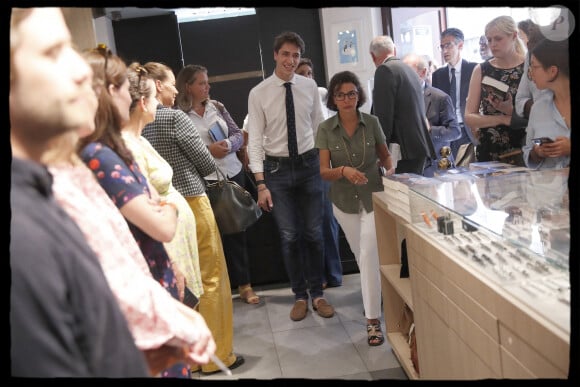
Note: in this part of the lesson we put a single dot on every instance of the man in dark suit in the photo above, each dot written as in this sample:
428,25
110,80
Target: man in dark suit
398,103
440,114
451,46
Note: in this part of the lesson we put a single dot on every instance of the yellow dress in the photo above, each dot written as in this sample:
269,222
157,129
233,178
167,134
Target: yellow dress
183,248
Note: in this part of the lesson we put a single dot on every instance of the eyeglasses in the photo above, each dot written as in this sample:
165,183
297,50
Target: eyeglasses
351,95
446,46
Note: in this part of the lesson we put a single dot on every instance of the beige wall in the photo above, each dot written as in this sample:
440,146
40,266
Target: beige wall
80,23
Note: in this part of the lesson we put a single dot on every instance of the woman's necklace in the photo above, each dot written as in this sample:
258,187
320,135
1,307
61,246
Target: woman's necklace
348,152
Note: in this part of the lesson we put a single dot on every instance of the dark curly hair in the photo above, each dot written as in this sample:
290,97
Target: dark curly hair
337,81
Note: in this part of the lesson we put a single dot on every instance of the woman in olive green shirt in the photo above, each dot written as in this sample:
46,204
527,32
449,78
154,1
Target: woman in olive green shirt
352,149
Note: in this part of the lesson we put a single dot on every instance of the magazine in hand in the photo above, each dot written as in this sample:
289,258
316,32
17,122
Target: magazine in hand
216,133
497,88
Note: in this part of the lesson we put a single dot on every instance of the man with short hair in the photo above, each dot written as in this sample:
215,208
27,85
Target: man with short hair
440,114
398,103
284,111
451,46
64,319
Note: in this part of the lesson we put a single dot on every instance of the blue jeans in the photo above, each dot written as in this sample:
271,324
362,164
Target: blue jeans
332,265
296,189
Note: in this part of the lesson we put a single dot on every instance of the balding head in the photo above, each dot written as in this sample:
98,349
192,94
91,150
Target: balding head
417,63
381,48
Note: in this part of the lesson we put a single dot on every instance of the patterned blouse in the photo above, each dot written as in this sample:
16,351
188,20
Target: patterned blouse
182,249
151,316
177,140
124,183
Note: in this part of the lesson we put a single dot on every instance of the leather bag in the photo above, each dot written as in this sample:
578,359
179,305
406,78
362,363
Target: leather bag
234,208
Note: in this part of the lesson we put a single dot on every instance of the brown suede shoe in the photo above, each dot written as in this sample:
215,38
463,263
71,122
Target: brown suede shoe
323,308
299,310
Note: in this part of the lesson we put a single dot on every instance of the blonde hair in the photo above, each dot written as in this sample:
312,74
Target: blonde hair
508,26
158,71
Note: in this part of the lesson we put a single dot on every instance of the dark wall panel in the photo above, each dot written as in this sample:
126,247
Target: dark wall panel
230,45
303,21
234,95
225,47
145,39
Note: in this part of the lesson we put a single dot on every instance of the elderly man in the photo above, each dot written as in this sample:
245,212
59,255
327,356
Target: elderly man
440,114
399,105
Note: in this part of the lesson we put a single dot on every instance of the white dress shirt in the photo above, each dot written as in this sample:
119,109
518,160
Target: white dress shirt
267,129
229,165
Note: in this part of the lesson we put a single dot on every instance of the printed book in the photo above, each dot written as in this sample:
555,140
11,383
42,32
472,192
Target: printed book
495,87
216,133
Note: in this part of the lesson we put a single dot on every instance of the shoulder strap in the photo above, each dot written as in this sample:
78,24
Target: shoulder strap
219,106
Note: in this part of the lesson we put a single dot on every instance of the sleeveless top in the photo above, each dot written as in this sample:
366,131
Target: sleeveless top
494,141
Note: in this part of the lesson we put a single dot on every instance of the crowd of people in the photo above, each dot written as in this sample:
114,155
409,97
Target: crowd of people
118,266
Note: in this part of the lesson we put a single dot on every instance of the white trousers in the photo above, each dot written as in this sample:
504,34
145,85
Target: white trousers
360,233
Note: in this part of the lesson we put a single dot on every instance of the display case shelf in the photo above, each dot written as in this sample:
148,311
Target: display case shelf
489,273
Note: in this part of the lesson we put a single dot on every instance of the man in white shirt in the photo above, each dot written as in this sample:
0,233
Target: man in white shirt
287,172
451,46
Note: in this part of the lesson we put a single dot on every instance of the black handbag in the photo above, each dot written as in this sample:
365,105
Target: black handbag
234,208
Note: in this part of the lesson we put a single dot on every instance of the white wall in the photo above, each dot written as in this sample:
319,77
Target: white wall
367,23
104,32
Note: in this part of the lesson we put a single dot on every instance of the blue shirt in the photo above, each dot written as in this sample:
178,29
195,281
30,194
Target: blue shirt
545,121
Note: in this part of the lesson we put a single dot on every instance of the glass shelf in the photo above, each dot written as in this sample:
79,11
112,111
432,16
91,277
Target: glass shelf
512,228
530,209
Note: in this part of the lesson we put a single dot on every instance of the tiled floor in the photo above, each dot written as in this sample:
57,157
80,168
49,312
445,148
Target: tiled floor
315,348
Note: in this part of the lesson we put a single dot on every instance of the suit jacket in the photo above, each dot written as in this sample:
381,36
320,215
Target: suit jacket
177,140
440,80
444,125
398,103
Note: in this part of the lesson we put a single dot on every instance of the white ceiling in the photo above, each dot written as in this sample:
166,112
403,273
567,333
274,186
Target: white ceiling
183,14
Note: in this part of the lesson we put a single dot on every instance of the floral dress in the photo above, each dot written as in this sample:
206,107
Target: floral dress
123,183
183,247
500,139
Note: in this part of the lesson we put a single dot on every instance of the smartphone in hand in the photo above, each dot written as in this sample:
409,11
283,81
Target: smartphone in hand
542,140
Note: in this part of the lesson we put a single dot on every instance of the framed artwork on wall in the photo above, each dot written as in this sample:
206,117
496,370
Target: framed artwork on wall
347,48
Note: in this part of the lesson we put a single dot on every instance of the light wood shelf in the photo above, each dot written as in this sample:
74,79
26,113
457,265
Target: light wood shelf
401,349
402,285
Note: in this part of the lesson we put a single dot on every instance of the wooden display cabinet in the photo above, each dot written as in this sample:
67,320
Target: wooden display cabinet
396,291
487,303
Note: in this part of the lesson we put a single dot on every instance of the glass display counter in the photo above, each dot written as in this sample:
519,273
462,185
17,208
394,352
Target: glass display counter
489,284
514,228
